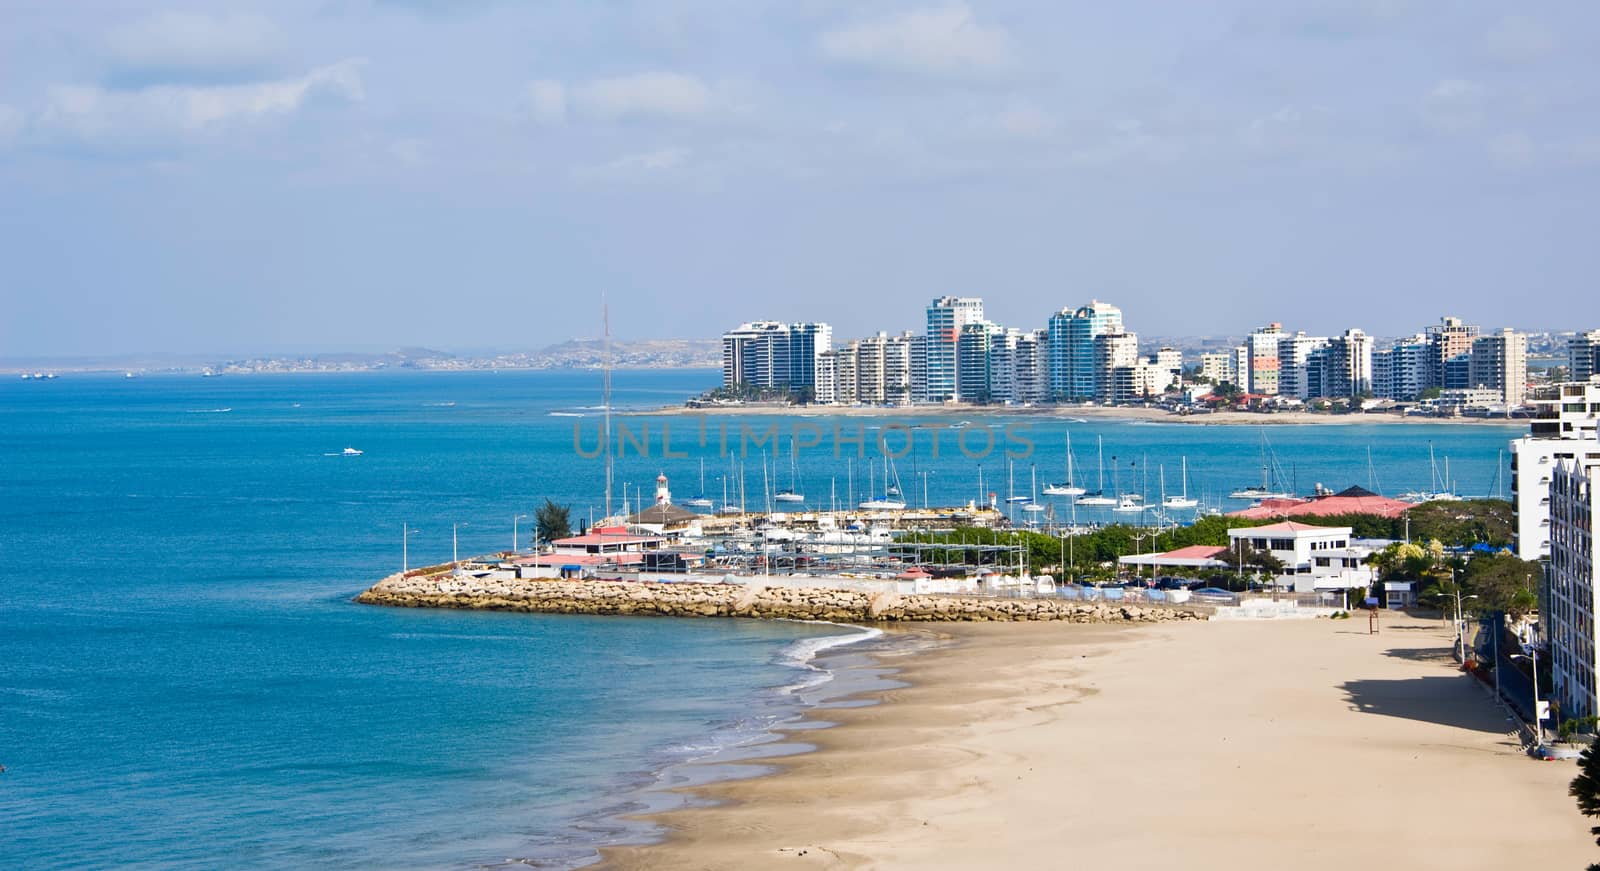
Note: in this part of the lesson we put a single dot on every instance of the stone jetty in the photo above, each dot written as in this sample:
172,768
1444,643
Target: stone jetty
742,600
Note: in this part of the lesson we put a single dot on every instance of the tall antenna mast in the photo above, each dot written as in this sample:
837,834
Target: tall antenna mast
605,390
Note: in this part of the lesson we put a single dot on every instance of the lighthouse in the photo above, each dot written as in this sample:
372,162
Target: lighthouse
663,495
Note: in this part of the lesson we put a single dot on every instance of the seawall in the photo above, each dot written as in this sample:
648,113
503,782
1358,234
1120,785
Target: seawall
742,600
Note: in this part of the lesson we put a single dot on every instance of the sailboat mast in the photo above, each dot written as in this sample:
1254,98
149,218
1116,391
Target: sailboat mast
605,390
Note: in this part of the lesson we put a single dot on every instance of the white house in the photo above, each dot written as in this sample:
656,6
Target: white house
1314,557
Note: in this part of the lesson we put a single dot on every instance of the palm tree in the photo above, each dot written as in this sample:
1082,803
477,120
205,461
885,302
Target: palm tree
1586,789
553,521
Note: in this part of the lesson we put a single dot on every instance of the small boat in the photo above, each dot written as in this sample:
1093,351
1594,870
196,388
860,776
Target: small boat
700,501
1265,491
1099,497
351,452
788,496
1128,505
1184,501
792,492
1096,498
1069,488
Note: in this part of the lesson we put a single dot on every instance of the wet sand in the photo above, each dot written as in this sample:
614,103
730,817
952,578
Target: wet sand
1227,745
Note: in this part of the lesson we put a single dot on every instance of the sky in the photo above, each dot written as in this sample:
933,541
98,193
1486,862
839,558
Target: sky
371,174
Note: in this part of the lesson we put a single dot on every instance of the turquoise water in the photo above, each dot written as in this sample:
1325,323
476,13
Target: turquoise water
184,682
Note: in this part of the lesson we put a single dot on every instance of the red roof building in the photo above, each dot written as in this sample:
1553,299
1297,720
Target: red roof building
1354,500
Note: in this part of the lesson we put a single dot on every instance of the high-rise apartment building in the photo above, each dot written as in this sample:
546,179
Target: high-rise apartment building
1452,350
1032,367
770,354
976,348
1263,369
1571,606
1342,368
1114,351
1074,362
1499,361
1563,428
1583,355
947,316
1402,371
1217,367
1294,352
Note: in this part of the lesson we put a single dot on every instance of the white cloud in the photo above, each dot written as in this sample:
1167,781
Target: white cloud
1455,105
1515,39
645,95
635,167
1019,119
91,112
547,101
180,46
941,41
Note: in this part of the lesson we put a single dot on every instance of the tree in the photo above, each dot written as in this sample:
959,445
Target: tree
1586,789
553,521
1503,583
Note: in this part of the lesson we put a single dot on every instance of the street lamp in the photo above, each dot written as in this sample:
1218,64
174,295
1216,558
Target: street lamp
1461,649
405,537
514,519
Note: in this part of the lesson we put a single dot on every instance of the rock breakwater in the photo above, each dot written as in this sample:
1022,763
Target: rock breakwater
743,600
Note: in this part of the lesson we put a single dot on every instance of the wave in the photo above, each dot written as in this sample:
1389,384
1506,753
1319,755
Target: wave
801,654
565,414
208,411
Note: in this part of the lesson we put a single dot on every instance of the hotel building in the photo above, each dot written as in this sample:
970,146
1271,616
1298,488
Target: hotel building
1570,610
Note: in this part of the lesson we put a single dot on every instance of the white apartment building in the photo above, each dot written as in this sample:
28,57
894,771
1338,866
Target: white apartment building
1402,371
1583,355
1293,354
1032,361
947,317
1570,610
773,354
1314,557
1499,361
1563,429
1113,351
1218,367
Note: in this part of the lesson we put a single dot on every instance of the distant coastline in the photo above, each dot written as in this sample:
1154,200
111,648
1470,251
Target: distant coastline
1094,412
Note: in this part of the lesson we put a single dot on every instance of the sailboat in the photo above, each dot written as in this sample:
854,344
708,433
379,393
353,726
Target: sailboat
700,501
1033,505
1069,488
1441,491
892,500
1127,503
1011,491
1099,496
792,493
1179,501
1264,491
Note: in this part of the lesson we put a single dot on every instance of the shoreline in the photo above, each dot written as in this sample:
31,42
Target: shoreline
628,818
1069,413
1127,747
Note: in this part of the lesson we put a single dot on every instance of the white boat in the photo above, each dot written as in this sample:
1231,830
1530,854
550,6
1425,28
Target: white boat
1128,505
1032,506
1183,501
1099,497
892,498
700,501
1011,491
1264,491
792,493
1069,488
350,452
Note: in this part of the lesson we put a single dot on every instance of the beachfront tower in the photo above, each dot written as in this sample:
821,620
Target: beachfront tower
1074,360
946,317
663,495
1563,428
1574,496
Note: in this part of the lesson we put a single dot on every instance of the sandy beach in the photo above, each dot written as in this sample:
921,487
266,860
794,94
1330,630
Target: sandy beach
1093,412
1226,745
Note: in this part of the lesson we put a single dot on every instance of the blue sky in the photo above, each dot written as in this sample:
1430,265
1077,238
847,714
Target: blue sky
335,174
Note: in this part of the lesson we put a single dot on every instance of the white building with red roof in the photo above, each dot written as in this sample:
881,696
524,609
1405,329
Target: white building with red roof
1314,557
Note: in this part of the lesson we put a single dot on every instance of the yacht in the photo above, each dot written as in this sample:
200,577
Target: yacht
700,501
1129,504
351,452
1069,488
1184,501
1264,491
1099,497
792,493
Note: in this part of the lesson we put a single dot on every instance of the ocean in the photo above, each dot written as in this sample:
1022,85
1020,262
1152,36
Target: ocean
184,682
